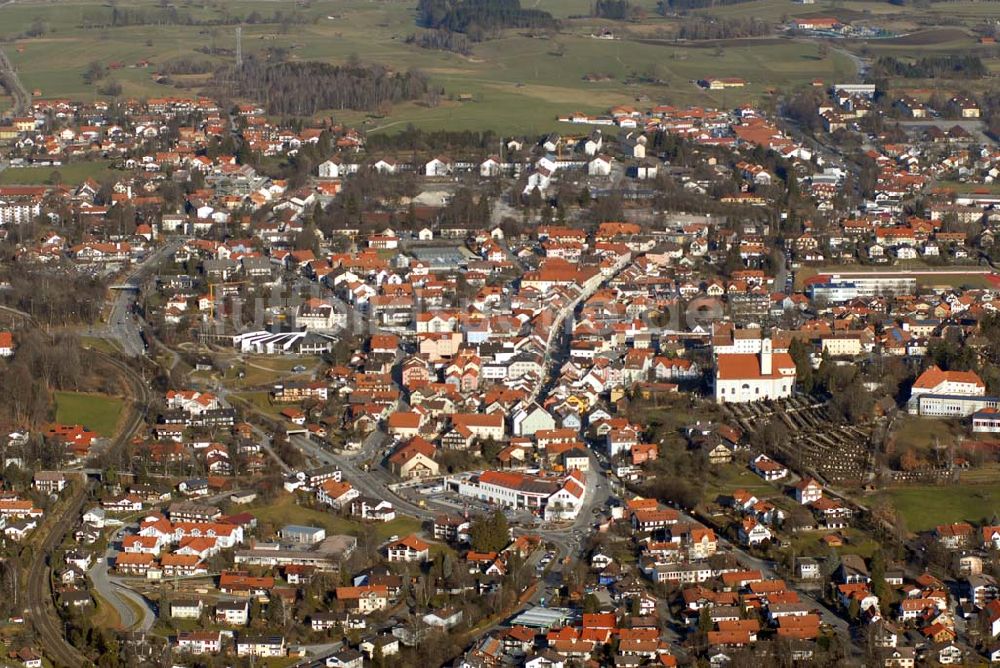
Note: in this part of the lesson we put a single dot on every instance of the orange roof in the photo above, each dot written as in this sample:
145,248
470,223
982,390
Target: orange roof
404,420
934,376
133,559
738,366
410,542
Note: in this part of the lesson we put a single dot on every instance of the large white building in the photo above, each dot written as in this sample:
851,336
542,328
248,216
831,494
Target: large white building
746,377
554,497
938,393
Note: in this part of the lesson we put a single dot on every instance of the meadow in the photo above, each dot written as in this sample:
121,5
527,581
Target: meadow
926,506
70,173
513,84
97,412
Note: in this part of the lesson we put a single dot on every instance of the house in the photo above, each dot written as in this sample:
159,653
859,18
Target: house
753,533
346,658
954,536
382,645
261,646
27,657
414,459
445,618
373,509
186,608
232,613
808,491
409,549
767,468
199,642
600,165
49,482
336,494
365,598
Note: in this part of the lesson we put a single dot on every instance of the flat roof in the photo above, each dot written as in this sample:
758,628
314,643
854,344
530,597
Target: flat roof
539,617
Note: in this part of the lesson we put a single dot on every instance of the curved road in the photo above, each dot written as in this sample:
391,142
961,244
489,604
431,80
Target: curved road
115,592
41,608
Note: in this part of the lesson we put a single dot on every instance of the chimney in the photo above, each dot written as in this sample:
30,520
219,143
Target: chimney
765,357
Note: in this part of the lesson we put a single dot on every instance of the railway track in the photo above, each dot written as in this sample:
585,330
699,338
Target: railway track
41,608
12,83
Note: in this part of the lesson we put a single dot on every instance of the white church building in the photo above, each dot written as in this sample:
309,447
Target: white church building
746,377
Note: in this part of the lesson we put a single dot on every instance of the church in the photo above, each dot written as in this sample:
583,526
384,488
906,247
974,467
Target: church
746,377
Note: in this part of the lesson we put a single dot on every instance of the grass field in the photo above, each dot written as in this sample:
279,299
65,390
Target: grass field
97,412
516,83
855,542
726,479
927,506
285,511
73,173
924,433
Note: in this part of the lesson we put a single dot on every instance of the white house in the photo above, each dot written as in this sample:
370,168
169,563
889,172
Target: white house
599,166
439,166
531,419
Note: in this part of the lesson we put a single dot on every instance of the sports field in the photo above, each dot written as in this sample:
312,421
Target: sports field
97,412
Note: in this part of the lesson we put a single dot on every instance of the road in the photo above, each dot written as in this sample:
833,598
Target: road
41,610
12,84
115,592
122,325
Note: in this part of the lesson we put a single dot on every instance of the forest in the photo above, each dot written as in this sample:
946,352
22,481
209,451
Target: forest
708,28
950,66
442,40
667,6
616,10
480,19
304,88
119,17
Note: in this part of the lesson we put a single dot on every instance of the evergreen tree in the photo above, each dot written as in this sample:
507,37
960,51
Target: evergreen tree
490,534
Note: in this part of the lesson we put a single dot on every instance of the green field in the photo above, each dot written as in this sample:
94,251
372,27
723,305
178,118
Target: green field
923,433
285,511
725,479
97,412
927,506
513,84
73,173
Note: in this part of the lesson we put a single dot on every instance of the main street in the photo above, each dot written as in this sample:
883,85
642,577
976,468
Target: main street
123,326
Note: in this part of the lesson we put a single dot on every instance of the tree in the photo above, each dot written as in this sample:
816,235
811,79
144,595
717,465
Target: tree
591,604
490,534
879,586
95,72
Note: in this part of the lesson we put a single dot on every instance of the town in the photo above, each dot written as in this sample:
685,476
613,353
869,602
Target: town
675,382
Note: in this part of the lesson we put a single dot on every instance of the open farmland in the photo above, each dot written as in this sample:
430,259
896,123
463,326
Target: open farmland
516,83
